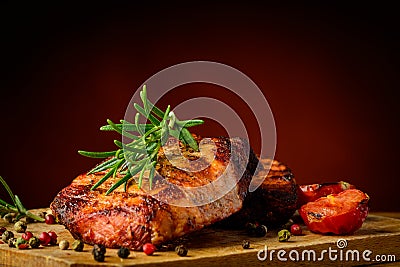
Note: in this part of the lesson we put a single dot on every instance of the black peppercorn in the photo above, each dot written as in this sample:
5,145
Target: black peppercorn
7,235
99,251
260,231
246,244
181,250
29,220
78,245
99,247
98,255
2,230
251,228
123,252
11,242
34,242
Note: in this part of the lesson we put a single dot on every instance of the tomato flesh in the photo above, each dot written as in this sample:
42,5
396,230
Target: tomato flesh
339,214
312,192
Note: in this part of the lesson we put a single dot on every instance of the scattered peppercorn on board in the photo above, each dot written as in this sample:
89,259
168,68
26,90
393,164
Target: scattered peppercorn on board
213,246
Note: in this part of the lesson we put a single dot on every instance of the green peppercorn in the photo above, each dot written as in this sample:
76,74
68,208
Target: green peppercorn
7,235
20,241
11,242
20,227
181,250
9,217
78,245
283,235
64,244
34,242
246,244
123,252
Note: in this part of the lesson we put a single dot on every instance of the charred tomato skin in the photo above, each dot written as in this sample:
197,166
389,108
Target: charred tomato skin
312,192
340,214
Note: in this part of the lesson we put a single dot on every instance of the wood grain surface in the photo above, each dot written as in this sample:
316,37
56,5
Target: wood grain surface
219,247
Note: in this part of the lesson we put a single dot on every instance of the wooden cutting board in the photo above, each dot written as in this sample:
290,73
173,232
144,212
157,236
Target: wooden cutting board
218,247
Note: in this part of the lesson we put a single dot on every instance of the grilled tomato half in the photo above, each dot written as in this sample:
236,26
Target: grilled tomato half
339,214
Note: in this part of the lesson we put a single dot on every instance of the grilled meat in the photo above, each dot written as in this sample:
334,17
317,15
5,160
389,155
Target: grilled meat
271,204
136,217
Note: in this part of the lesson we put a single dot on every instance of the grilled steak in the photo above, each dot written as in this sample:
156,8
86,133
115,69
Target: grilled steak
136,217
271,204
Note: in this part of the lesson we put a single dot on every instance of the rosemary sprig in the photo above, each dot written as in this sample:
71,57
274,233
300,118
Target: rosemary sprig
140,155
17,207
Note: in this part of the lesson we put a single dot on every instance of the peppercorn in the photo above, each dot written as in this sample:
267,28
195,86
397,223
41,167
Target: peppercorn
20,227
254,229
53,237
11,242
20,241
78,245
123,252
50,219
23,246
7,235
260,231
283,235
27,235
100,247
98,256
8,217
34,242
251,228
64,244
246,244
149,249
2,230
29,220
44,238
181,250
295,229
99,251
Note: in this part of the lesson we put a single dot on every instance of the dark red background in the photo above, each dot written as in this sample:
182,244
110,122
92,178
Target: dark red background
330,74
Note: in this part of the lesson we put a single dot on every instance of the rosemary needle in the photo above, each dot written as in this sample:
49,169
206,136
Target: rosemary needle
140,155
17,207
